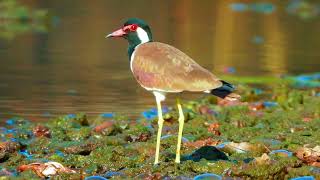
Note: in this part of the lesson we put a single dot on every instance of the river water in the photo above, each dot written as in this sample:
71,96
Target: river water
72,68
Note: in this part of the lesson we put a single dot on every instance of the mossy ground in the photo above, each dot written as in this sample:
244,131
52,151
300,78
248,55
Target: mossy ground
127,147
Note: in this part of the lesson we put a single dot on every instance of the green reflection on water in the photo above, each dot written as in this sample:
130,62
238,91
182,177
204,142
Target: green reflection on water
16,18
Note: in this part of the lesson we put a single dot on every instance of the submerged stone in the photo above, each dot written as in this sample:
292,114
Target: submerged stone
153,113
258,40
41,131
183,139
239,7
10,122
261,7
208,176
7,148
26,154
282,152
303,178
107,115
243,147
95,178
110,174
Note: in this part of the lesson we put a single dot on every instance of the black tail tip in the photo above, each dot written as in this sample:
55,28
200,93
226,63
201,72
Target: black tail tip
223,91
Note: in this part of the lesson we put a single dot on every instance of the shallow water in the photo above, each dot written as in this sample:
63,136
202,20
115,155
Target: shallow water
72,68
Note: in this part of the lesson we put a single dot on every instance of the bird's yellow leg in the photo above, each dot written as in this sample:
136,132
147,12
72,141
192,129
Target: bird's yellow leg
181,123
160,124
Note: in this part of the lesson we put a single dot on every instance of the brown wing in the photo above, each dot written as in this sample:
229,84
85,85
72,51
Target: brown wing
158,66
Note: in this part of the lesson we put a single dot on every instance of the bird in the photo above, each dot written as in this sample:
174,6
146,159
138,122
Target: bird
161,68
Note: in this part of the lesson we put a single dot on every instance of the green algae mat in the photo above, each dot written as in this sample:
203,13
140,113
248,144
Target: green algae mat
272,134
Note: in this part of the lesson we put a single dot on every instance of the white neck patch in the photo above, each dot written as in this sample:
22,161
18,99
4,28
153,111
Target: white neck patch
142,35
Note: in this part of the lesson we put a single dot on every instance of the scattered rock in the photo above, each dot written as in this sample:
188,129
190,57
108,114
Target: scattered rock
264,159
256,106
6,148
103,126
155,176
307,119
5,172
243,147
214,129
142,137
205,142
205,110
41,131
311,156
224,102
84,149
44,170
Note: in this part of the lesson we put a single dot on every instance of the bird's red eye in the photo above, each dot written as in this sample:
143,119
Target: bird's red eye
133,27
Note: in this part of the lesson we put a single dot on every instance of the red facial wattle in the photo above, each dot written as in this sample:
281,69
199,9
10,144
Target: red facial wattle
123,31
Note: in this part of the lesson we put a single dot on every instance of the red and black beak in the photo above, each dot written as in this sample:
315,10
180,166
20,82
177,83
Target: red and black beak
117,33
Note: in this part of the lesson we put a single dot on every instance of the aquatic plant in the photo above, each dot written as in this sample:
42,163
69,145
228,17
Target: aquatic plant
16,19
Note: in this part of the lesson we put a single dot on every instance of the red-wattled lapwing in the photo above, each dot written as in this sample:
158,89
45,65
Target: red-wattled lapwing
161,68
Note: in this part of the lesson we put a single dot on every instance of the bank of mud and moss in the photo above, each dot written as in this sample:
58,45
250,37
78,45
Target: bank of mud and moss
273,133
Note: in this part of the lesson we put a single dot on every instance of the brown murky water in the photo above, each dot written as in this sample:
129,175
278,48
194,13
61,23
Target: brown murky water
73,68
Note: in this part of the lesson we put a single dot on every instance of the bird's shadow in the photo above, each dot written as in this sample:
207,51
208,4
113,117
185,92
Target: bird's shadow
209,153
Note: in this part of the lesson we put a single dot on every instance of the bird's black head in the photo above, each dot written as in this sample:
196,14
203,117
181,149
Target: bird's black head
135,30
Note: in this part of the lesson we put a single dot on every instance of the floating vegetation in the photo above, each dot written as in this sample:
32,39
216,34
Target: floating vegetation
273,133
258,39
16,19
229,70
258,7
298,81
303,9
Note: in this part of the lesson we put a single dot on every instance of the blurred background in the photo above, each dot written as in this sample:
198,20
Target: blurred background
55,59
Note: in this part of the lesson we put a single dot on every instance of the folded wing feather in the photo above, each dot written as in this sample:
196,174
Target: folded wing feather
158,66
